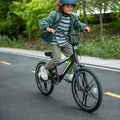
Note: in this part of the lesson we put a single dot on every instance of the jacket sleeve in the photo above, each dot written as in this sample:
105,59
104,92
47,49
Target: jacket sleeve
47,22
78,25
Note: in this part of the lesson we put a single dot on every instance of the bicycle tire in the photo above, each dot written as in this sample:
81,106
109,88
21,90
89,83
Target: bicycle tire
88,90
45,86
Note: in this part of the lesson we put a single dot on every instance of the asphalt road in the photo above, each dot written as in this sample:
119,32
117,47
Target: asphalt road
20,98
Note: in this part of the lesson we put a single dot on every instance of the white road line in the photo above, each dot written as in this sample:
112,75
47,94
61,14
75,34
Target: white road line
105,68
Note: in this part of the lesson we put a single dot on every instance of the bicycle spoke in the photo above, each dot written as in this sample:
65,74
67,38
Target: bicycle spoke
45,85
77,93
84,98
91,86
90,82
79,87
78,98
92,96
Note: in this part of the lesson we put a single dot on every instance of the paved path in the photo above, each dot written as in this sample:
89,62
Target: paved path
109,63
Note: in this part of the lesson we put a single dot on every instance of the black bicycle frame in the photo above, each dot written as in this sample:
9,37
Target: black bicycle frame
71,60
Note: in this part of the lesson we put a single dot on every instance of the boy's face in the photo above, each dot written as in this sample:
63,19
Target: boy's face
68,8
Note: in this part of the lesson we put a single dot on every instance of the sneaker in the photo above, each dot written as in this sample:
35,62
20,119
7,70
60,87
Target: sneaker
68,77
44,73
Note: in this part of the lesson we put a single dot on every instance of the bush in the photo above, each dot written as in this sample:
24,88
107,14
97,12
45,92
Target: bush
5,41
102,46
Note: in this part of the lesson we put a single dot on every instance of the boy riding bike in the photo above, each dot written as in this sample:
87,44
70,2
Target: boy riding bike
65,20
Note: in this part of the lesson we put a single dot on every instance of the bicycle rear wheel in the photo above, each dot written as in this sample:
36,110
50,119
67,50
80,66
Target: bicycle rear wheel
87,90
45,86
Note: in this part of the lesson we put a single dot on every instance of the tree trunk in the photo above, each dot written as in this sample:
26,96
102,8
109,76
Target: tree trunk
84,11
29,35
101,21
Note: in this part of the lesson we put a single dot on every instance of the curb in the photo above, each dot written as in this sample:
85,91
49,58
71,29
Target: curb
89,61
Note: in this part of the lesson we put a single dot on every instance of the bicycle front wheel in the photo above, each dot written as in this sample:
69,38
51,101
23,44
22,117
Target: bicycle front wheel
87,90
45,86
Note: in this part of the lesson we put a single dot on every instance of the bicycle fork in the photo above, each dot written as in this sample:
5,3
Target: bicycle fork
76,72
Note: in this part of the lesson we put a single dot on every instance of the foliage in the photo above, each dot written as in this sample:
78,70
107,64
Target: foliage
33,11
102,46
116,11
115,14
10,24
92,19
7,42
22,16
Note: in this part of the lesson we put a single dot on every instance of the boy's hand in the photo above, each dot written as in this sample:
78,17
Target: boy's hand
50,30
87,28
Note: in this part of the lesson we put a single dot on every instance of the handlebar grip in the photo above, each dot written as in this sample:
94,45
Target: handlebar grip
48,31
84,31
45,31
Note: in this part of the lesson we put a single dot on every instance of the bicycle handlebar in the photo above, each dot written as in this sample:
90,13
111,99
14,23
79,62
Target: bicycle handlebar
67,36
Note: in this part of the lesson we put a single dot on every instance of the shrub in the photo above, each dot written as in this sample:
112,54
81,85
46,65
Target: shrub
102,46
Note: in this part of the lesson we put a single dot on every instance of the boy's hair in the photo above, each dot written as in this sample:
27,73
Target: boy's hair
59,9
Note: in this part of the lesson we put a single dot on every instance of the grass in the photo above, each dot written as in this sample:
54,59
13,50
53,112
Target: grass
5,41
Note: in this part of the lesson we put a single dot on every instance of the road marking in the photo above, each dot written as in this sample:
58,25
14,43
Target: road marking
102,67
113,95
5,62
33,71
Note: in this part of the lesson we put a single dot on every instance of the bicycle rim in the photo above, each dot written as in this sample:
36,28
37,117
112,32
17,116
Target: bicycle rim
45,86
88,94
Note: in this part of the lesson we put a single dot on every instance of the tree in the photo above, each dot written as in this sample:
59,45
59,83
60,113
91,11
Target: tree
8,20
98,5
101,19
81,4
32,12
115,10
84,11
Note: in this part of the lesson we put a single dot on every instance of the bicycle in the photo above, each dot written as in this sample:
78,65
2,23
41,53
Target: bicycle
85,85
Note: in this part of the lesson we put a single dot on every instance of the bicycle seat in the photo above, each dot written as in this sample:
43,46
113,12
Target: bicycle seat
48,53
